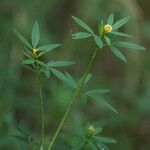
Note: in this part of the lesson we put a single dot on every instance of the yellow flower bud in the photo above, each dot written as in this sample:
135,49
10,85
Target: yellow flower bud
34,51
107,28
90,129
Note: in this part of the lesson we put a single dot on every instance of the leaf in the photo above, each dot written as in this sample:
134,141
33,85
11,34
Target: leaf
120,34
92,145
129,45
104,102
35,36
108,41
81,35
97,131
98,41
62,77
105,139
41,63
70,79
60,63
120,23
82,24
46,72
27,62
111,19
101,28
48,47
118,53
97,92
23,39
88,77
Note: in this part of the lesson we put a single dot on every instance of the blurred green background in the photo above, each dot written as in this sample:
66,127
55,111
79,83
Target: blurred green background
130,83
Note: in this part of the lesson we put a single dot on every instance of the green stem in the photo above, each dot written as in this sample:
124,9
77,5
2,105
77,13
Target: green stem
75,96
42,107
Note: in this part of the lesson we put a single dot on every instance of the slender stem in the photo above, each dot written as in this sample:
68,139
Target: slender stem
74,97
42,107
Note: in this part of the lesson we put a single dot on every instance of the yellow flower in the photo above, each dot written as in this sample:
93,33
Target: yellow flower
107,28
90,129
34,51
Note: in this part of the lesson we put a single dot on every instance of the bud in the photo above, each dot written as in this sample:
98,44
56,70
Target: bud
107,28
90,129
34,51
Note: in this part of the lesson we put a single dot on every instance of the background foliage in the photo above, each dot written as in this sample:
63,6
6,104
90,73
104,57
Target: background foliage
19,103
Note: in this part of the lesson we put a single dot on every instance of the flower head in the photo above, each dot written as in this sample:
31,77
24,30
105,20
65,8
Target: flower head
107,28
90,129
33,52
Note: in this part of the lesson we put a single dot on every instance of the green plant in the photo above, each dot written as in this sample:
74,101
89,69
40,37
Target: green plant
107,34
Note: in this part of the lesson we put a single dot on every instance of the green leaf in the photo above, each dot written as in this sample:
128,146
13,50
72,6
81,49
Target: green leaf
23,39
46,72
97,131
129,45
108,41
105,139
41,63
88,77
111,19
120,23
48,47
92,145
60,63
101,28
35,36
120,34
118,53
71,79
82,24
97,92
98,41
27,62
104,102
81,35
62,77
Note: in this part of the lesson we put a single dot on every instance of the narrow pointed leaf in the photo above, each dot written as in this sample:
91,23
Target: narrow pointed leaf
60,63
111,19
82,24
98,41
81,35
27,62
101,28
129,45
62,77
120,34
104,102
48,47
118,53
105,139
97,92
23,39
35,36
108,41
120,23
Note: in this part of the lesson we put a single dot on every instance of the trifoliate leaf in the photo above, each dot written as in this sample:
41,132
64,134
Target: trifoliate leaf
35,36
118,53
82,24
